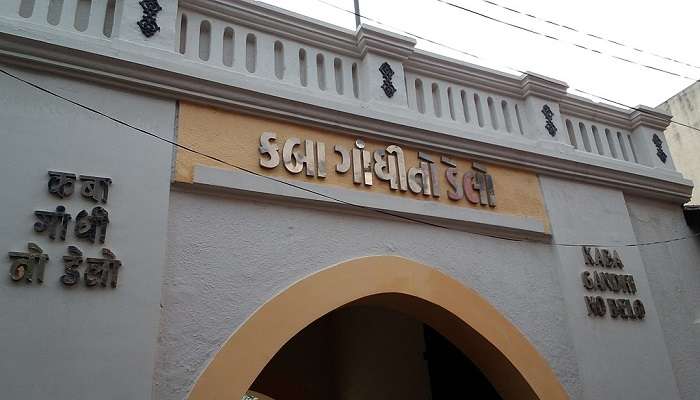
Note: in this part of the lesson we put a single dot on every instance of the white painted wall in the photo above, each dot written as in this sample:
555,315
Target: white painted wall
82,343
673,270
227,256
224,249
617,359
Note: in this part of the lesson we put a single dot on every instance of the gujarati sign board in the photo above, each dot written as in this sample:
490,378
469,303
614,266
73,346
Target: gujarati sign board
314,155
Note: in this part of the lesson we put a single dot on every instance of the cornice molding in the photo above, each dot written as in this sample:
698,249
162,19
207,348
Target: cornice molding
279,22
651,117
174,78
542,86
382,42
297,27
462,73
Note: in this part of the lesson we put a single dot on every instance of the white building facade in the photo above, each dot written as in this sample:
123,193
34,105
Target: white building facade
323,180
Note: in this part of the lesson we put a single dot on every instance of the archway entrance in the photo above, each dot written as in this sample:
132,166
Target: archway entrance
500,352
368,351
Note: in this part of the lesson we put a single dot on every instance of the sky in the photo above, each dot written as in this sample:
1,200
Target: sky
668,28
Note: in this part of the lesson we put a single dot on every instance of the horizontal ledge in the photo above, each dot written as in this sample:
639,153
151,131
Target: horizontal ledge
164,77
452,217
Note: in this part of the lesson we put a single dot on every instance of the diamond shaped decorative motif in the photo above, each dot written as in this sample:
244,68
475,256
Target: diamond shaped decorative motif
549,126
659,148
148,24
388,88
386,70
387,74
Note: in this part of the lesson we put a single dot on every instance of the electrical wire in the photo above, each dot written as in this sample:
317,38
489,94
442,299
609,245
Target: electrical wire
599,37
545,35
217,159
520,71
506,23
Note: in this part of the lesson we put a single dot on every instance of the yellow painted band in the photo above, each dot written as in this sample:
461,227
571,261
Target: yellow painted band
235,138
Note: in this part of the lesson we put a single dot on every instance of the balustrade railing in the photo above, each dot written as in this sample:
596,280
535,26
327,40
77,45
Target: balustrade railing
235,45
91,17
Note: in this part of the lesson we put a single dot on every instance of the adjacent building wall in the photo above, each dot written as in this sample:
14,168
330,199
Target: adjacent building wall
673,271
77,342
684,142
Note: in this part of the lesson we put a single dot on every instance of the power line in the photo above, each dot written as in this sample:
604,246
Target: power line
488,60
598,37
404,31
545,35
418,221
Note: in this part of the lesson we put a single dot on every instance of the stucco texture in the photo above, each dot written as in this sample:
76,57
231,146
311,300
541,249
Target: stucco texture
227,256
673,270
78,342
617,358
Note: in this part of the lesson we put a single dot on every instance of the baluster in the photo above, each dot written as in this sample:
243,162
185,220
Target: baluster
291,63
194,22
41,10
471,107
265,66
9,8
433,106
347,78
510,118
500,117
330,73
67,21
411,92
581,145
216,45
604,142
626,145
239,49
97,18
444,101
616,151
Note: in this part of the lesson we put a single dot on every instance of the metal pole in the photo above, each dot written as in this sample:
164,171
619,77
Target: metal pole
357,13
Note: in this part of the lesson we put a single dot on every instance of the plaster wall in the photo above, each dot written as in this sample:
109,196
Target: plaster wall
617,358
76,342
683,142
227,256
673,270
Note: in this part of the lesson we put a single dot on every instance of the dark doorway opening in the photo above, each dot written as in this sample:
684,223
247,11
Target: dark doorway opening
452,374
363,352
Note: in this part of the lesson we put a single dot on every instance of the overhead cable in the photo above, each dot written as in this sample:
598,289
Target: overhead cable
598,37
551,37
365,208
518,70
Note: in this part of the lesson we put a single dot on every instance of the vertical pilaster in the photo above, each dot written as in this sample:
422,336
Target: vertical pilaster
382,66
131,12
648,138
542,120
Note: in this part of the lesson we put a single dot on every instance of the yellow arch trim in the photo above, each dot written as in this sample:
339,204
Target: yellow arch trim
507,358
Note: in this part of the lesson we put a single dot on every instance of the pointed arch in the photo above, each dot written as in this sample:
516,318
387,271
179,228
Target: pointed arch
506,357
